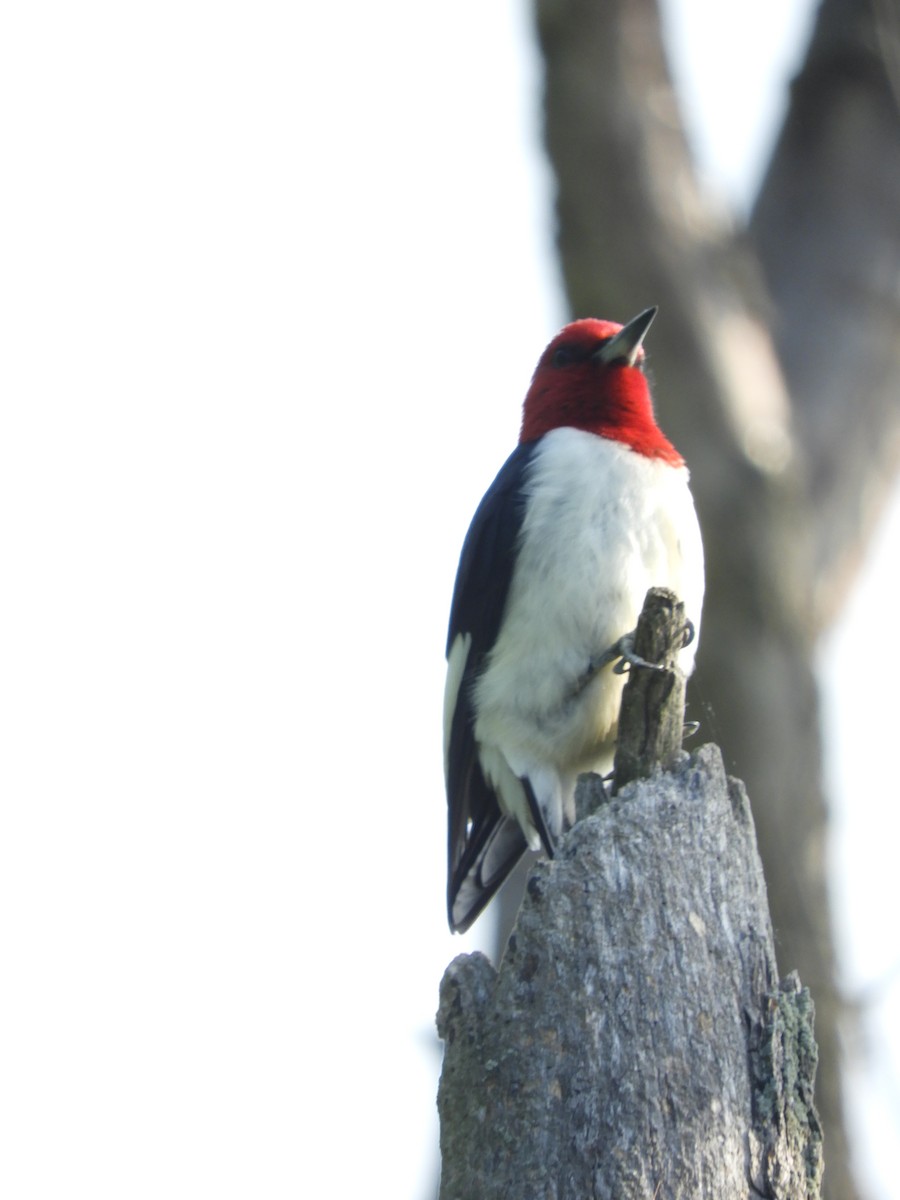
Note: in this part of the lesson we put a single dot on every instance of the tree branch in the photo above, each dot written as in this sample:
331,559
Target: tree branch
825,230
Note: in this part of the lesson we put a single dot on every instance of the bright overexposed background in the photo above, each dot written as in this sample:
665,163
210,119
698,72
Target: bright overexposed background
273,281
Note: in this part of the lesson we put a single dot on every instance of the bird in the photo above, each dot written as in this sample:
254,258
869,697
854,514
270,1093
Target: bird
591,509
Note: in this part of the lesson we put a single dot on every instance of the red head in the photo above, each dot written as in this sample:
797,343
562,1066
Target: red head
590,377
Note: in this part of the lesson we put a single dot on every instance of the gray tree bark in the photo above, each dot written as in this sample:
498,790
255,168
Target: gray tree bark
636,1042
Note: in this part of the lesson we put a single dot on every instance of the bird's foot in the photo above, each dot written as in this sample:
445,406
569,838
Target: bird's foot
591,794
623,653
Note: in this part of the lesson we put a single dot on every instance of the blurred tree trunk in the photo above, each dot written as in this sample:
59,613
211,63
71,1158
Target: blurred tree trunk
778,362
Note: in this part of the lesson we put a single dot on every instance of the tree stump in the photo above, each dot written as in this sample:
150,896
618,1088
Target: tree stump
635,1043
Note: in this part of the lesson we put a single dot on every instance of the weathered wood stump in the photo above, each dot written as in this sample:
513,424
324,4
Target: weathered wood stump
636,1041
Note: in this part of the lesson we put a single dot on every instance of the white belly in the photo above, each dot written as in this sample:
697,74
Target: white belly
602,525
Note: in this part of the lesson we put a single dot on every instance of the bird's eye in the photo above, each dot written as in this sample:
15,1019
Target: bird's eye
562,356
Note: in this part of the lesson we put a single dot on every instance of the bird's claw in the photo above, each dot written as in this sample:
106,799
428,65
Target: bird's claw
623,655
623,651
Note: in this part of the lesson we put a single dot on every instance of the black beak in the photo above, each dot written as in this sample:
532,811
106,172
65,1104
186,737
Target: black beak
625,345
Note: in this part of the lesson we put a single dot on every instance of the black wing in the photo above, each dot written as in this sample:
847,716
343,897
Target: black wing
483,845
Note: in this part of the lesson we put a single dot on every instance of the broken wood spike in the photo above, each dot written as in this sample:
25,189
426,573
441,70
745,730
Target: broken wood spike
651,719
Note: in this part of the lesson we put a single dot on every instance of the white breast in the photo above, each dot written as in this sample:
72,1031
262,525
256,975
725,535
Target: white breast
602,525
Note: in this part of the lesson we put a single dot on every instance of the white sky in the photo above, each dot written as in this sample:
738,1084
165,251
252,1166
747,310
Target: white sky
273,286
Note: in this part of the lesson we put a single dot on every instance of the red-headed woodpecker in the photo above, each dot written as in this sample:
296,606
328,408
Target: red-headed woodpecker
590,510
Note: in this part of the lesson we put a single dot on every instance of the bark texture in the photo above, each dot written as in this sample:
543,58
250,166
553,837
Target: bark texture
636,1042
